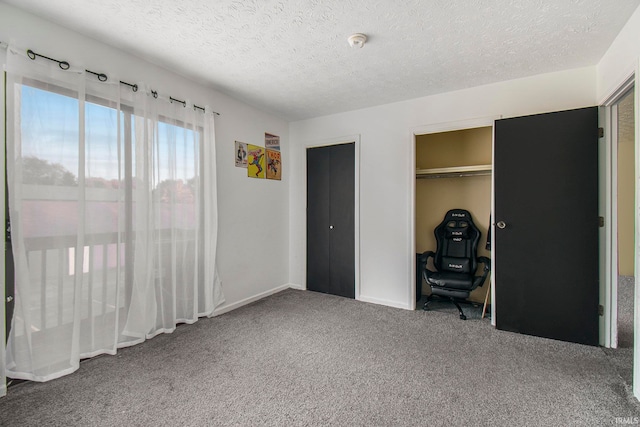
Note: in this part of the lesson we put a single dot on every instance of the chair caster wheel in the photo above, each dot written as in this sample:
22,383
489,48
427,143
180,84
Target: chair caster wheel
425,307
463,317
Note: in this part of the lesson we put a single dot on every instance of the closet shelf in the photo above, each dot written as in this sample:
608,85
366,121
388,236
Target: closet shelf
453,172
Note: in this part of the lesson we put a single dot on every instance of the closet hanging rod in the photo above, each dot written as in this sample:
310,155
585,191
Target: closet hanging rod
454,171
64,65
452,175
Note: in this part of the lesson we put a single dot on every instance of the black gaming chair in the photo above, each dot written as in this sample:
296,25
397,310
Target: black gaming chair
455,259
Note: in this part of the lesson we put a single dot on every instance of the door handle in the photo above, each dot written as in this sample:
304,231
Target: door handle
501,225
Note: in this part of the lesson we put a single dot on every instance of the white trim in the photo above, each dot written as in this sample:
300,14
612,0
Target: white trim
636,303
608,208
227,308
411,185
611,290
297,286
614,96
476,122
473,123
388,303
604,234
347,139
632,78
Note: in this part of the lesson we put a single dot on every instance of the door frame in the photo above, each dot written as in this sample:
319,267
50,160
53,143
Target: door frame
487,121
608,177
609,246
348,139
608,206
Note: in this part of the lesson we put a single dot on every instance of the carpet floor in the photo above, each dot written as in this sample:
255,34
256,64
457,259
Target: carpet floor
301,358
622,357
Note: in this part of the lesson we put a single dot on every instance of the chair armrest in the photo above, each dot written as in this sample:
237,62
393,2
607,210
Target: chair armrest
428,254
487,268
424,257
486,261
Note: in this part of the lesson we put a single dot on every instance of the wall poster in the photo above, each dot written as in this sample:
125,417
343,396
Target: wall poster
255,161
271,142
241,154
274,165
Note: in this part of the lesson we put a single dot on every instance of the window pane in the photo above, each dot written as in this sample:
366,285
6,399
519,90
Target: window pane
102,164
49,129
176,176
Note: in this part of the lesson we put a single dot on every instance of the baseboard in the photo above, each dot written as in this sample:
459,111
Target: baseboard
388,303
235,305
238,304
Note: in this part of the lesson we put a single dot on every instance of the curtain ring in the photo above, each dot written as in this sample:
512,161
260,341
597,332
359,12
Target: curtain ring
62,64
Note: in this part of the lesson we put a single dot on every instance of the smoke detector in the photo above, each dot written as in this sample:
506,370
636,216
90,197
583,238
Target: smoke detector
357,40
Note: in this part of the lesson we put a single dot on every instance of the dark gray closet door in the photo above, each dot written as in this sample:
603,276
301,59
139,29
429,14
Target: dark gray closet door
330,220
546,214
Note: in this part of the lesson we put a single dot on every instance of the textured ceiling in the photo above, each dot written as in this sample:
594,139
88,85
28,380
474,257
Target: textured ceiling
291,57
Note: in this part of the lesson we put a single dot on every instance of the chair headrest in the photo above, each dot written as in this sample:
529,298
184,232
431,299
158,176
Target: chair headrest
457,215
457,225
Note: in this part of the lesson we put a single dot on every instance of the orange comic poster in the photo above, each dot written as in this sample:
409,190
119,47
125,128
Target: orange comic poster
255,161
274,165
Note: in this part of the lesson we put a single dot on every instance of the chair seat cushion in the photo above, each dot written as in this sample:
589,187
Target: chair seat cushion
450,293
450,280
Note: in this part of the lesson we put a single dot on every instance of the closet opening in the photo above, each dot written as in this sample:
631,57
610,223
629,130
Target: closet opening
624,128
453,171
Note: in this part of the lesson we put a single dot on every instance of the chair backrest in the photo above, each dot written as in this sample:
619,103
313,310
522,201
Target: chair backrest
457,238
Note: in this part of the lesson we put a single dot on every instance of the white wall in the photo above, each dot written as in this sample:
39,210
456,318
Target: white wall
620,60
253,224
387,166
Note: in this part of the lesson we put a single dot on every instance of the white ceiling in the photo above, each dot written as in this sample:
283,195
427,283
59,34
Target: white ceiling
291,57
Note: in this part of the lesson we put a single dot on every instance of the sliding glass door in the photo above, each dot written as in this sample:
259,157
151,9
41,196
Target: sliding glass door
113,218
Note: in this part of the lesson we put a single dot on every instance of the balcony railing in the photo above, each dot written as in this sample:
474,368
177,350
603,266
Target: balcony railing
105,274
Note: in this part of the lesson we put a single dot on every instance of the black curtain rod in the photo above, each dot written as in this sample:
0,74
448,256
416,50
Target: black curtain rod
184,104
64,65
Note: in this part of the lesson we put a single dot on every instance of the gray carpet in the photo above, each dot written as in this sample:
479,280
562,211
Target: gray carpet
304,359
625,311
622,357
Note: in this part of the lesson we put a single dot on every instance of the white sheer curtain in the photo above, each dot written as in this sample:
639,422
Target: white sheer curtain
3,305
112,199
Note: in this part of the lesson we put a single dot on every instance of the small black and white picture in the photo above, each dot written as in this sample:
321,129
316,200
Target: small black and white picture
241,154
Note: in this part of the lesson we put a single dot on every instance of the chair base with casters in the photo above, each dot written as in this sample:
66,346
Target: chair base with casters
453,300
455,260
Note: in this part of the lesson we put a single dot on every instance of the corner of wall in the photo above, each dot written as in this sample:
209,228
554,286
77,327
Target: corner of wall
620,60
388,303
